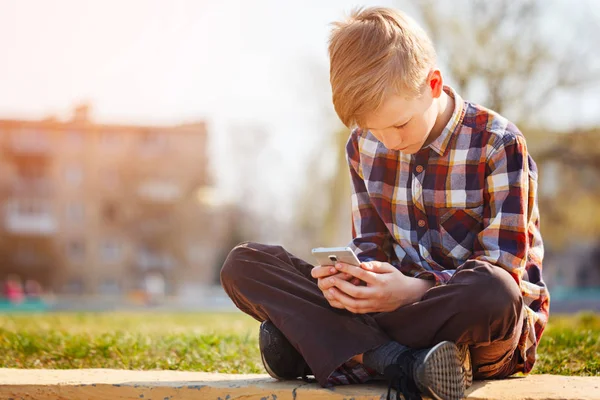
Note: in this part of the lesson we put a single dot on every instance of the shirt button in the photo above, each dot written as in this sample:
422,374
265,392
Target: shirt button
421,223
419,168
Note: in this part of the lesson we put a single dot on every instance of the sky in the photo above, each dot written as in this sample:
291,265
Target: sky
240,65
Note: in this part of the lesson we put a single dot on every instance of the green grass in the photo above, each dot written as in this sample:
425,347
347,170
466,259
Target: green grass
224,342
194,342
570,346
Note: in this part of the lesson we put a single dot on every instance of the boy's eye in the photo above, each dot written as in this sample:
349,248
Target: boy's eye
401,126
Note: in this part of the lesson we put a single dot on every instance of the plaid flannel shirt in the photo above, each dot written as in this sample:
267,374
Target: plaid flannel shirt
470,194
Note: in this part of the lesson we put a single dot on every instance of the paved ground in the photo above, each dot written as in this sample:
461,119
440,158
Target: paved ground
101,384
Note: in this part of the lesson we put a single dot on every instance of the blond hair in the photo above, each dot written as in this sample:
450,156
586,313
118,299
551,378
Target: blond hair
374,52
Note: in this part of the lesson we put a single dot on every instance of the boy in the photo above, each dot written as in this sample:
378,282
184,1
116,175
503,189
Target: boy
445,223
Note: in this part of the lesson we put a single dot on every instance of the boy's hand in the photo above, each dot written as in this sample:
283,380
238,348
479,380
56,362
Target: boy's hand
386,288
322,273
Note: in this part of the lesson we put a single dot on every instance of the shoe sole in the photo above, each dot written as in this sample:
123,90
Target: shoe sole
268,369
442,372
264,342
271,341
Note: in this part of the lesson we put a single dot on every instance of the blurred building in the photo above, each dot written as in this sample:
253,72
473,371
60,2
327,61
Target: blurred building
569,194
575,267
106,209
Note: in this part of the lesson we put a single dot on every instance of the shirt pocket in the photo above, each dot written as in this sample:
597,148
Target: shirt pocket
459,227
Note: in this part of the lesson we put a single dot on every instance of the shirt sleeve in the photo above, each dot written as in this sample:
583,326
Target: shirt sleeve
503,240
370,238
440,277
506,215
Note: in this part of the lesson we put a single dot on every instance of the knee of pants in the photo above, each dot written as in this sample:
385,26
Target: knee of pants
492,293
232,267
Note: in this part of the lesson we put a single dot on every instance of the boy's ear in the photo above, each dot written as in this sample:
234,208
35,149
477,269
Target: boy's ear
435,83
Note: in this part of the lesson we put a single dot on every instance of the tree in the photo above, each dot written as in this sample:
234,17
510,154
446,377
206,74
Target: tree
324,215
504,54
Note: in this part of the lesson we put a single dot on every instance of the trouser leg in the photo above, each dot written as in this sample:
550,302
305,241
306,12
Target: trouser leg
480,306
268,283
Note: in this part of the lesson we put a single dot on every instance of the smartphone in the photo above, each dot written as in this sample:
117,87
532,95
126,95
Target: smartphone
331,255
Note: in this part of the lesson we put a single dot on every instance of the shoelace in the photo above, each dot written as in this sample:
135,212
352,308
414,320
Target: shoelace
400,378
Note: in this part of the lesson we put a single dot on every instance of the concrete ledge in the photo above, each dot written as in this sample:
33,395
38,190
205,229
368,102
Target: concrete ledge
104,384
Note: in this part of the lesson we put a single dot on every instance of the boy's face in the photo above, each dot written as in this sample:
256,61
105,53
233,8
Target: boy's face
404,125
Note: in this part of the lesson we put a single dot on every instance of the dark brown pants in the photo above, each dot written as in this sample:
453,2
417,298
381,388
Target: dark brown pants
480,306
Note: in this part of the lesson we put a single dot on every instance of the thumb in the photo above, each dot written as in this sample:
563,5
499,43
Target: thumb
378,267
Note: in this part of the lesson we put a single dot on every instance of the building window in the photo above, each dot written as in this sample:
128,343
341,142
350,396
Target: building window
76,250
28,207
31,140
111,251
149,259
560,278
25,254
74,139
74,175
153,142
110,178
31,171
583,276
109,212
109,287
74,286
109,140
197,254
75,212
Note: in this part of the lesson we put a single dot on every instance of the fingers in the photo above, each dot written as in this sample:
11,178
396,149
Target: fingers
332,302
358,272
357,306
326,283
378,267
357,292
324,274
322,271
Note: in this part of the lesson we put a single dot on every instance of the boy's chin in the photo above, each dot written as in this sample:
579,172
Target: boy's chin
407,150
412,149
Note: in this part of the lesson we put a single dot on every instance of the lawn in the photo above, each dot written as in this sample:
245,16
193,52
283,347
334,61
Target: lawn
225,342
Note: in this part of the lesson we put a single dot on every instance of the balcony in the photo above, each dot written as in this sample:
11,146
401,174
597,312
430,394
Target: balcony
33,217
31,224
159,191
151,227
148,260
29,142
32,187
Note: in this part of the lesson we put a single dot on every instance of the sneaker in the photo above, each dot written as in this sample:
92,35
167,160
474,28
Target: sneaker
281,360
441,372
465,362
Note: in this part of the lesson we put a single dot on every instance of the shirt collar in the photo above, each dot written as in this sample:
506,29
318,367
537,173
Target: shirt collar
441,142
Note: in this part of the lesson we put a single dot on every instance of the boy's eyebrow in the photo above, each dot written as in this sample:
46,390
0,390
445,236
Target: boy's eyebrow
394,124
